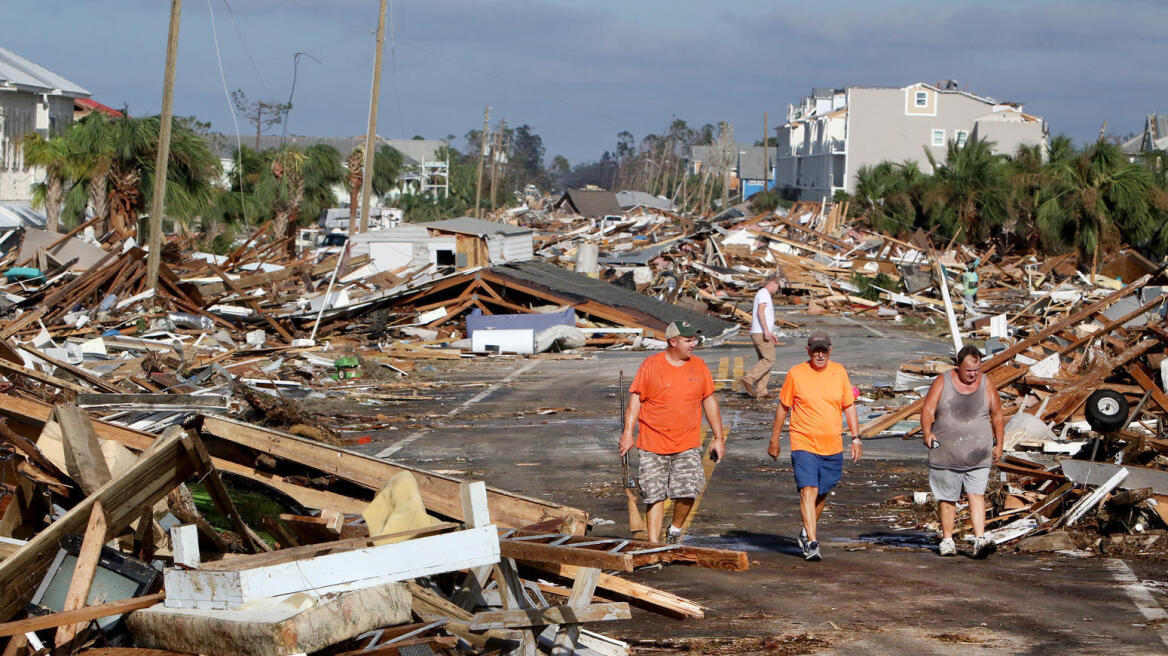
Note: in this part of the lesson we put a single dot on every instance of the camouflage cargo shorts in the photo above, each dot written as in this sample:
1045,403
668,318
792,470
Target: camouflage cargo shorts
671,475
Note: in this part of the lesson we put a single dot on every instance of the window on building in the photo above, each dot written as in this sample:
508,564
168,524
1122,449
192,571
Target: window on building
921,99
961,136
938,137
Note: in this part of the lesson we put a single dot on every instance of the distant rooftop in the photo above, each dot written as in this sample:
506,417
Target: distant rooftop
18,73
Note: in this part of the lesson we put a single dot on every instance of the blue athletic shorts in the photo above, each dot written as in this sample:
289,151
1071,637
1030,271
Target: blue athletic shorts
814,470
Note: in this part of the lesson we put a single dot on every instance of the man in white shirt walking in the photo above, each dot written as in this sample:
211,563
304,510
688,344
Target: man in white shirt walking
762,333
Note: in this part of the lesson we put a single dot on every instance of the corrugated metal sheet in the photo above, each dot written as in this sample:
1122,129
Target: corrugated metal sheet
509,248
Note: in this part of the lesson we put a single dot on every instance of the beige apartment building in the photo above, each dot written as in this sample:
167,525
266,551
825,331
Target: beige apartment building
832,133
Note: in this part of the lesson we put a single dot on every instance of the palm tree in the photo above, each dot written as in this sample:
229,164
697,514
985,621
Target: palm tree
53,154
969,191
1097,199
1027,176
387,168
115,162
891,195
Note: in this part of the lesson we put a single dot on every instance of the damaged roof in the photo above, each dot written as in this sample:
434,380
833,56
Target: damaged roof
590,203
468,225
579,286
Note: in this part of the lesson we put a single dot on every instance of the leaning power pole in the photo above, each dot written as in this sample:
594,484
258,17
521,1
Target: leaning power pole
482,147
157,201
371,133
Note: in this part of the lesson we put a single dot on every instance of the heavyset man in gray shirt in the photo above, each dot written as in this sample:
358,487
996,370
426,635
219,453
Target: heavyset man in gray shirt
963,427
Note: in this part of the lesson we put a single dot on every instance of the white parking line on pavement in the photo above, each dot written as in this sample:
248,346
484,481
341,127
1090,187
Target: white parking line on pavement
1139,594
402,443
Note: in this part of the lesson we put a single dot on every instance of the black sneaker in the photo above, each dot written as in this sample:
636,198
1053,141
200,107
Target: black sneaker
811,551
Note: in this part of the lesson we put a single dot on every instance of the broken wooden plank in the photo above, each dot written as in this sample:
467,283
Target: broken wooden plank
535,617
637,594
547,553
83,571
84,459
440,493
86,614
348,570
143,484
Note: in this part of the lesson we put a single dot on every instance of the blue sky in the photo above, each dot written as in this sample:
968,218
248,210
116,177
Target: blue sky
580,72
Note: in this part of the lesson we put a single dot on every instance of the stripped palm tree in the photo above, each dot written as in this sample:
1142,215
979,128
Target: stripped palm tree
356,178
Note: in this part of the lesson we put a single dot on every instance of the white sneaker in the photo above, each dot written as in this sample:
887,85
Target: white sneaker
803,539
673,536
983,546
948,548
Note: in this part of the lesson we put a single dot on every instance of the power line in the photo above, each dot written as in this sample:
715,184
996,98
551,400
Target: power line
246,50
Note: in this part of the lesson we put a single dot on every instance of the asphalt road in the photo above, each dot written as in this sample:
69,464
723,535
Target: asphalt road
548,428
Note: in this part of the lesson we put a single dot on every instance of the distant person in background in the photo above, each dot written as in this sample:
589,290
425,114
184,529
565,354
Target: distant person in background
815,393
670,393
969,286
762,334
963,426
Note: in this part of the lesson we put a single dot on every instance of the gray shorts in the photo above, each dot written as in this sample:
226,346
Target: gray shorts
947,483
671,475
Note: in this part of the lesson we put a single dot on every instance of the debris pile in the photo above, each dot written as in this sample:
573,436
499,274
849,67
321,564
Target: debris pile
114,537
1085,409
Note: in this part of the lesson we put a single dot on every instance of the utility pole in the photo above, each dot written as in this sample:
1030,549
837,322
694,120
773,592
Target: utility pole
495,159
371,133
482,147
766,154
157,201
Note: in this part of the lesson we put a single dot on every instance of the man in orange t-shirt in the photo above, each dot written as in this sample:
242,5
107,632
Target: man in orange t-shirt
814,393
670,393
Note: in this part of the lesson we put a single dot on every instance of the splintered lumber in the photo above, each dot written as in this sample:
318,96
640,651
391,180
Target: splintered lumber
440,494
146,482
83,457
86,614
272,629
637,594
535,617
888,420
83,571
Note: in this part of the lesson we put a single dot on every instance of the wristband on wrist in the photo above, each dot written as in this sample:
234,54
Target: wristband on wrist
857,438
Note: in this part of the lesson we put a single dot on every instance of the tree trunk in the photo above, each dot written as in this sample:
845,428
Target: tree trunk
53,196
99,201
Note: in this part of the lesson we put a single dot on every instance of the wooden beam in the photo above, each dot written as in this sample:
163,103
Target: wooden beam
535,617
1145,381
546,553
637,594
9,368
440,493
83,571
86,614
143,484
83,457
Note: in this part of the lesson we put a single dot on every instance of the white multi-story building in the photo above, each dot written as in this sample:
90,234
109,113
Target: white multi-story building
832,133
32,99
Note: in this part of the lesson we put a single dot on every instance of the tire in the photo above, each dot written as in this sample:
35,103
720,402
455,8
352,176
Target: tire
1106,410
